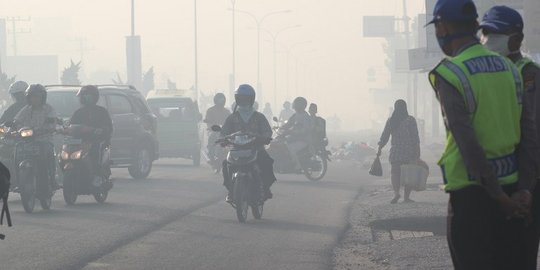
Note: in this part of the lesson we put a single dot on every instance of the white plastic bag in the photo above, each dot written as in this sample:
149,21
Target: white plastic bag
415,175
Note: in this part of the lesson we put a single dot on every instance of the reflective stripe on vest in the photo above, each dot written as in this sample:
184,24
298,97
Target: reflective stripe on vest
503,166
519,83
467,89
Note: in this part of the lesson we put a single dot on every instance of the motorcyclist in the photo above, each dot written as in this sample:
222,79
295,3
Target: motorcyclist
286,113
215,115
318,137
246,119
298,129
267,111
96,117
16,90
41,118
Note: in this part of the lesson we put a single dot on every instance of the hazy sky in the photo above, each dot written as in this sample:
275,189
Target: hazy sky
331,68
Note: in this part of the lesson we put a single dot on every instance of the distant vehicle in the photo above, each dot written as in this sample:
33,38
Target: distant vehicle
178,120
134,144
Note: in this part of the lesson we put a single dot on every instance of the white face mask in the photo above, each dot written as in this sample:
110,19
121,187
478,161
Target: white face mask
497,43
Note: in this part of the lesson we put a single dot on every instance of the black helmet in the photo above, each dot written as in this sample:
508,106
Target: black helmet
245,95
299,104
36,89
88,95
220,99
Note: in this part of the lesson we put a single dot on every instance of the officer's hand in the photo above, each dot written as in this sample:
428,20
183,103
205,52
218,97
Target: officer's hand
511,208
523,197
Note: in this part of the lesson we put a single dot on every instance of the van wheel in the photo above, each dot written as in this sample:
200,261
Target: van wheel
142,166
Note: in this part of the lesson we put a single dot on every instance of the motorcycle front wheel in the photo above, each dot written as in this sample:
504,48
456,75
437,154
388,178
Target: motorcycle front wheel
28,190
240,200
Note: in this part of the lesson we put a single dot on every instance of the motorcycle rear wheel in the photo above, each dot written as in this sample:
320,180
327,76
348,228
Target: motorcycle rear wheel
316,175
257,211
28,201
46,203
69,197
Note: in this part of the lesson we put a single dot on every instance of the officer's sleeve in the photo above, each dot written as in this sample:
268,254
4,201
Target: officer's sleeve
458,121
528,149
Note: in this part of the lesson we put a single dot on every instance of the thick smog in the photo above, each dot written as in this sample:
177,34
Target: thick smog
234,134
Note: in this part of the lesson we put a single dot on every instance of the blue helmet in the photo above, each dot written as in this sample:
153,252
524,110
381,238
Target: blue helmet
245,95
502,19
454,11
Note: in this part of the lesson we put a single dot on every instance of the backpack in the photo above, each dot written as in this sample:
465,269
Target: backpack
4,193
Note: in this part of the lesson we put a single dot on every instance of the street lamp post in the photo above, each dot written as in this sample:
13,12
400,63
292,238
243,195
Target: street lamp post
289,50
196,83
233,79
274,40
259,22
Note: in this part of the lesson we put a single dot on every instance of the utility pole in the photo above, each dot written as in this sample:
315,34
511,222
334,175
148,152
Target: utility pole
274,40
14,31
133,53
233,78
196,85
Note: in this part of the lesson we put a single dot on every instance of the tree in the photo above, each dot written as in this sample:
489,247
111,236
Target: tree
70,75
171,85
118,79
5,82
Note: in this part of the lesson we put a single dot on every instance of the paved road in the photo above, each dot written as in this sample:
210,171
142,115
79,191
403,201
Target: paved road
177,219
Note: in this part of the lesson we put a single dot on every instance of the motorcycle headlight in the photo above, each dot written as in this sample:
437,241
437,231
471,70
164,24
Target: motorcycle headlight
64,155
76,155
27,133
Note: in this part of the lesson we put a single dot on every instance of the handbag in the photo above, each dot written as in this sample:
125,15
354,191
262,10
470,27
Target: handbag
376,167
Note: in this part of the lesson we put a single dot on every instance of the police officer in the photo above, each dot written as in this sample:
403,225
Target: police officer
502,32
16,90
480,94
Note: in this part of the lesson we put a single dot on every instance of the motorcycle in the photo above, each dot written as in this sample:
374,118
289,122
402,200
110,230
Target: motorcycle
216,159
29,165
76,163
313,159
246,182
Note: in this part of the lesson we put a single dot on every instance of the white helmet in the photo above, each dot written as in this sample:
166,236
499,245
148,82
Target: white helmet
18,87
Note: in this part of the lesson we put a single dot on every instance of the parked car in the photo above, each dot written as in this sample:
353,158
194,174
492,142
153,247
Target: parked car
134,144
178,120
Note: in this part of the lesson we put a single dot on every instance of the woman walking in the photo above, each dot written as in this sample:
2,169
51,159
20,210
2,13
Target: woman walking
405,145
